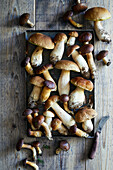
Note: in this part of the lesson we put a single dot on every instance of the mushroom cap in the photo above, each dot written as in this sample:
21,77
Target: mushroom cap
19,144
84,114
64,98
50,101
64,145
82,83
49,114
44,68
79,7
36,144
73,129
85,37
49,84
35,110
56,123
27,112
37,81
60,37
71,49
102,54
38,120
73,34
24,18
86,48
67,15
67,65
41,40
97,14
25,61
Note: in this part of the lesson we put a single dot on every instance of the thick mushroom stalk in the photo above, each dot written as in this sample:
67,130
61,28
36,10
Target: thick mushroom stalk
87,126
35,94
36,58
73,35
76,131
48,118
36,133
32,164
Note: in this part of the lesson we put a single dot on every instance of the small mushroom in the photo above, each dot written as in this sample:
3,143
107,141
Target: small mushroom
45,71
32,164
36,144
85,37
77,97
66,119
57,125
79,7
48,118
98,14
35,112
48,86
103,56
24,19
39,121
64,145
87,50
26,63
79,60
36,133
73,35
36,57
56,55
20,145
76,131
68,16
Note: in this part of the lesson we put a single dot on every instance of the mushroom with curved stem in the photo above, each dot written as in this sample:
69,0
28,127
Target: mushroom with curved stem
66,119
98,14
77,97
79,60
57,125
39,121
73,35
68,16
56,55
48,118
36,133
21,145
79,7
87,50
36,144
26,63
32,164
64,145
85,37
45,71
24,19
76,131
102,55
36,57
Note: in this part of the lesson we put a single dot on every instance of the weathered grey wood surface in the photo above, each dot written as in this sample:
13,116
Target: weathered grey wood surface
46,14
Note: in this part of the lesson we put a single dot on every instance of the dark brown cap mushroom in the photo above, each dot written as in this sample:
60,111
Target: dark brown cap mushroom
32,164
85,37
36,144
64,98
26,63
19,144
103,56
35,133
24,19
79,7
86,48
76,131
64,145
27,113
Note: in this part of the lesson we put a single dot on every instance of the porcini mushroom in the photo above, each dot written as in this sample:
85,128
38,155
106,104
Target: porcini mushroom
26,63
32,164
39,121
73,35
76,131
48,118
85,37
64,145
79,59
36,144
45,71
68,16
98,14
24,19
66,119
84,116
35,133
87,50
36,57
21,145
79,7
56,55
103,56
57,125
77,97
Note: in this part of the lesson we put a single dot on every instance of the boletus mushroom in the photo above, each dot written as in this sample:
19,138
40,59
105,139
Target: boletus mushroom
102,55
85,37
26,63
77,97
73,35
64,145
35,133
36,144
79,7
32,164
98,14
56,55
48,118
76,131
24,19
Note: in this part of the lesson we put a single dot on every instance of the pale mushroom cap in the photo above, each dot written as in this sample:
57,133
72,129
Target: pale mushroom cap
71,49
97,14
44,68
73,34
50,101
85,114
37,81
60,37
67,65
82,83
49,114
41,40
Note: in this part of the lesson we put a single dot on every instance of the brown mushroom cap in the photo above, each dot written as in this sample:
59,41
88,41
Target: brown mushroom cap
35,110
41,40
64,98
36,144
73,34
60,37
56,123
27,112
71,49
38,120
25,61
97,14
84,114
19,144
64,145
86,48
67,65
82,83
102,54
67,15
37,81
85,37
44,68
24,18
79,7
73,129
50,101
49,84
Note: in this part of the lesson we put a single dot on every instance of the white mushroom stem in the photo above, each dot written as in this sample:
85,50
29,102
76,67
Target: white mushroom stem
87,126
71,41
66,108
39,150
81,133
35,94
36,58
77,98
48,120
30,23
91,64
32,164
37,133
31,148
47,130
45,94
101,33
62,130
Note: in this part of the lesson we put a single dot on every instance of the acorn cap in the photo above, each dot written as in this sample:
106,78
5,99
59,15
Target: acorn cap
67,65
27,112
86,48
53,99
48,113
41,40
19,144
37,81
71,49
56,123
82,83
24,18
67,15
60,37
64,98
38,120
49,84
102,54
44,68
85,37
79,7
36,144
84,114
73,34
64,145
